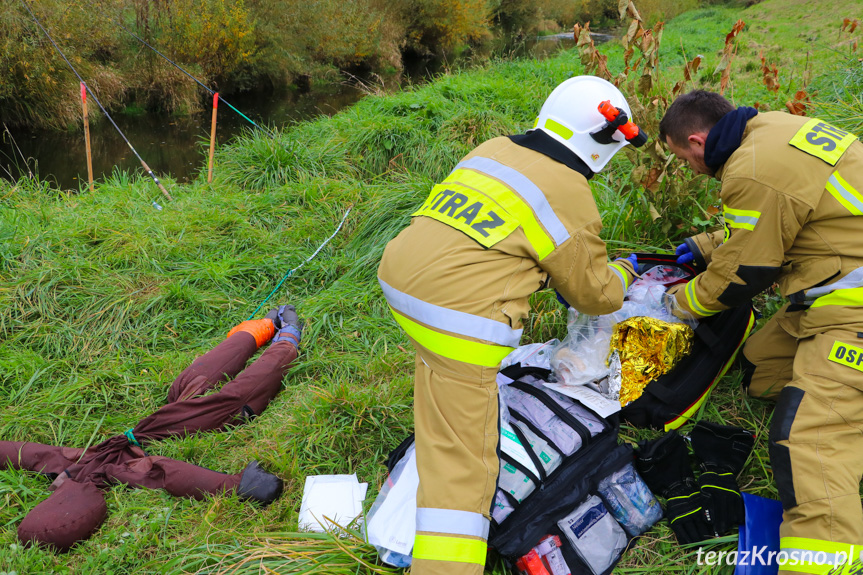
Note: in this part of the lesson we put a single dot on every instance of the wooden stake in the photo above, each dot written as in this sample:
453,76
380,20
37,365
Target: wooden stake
213,138
87,134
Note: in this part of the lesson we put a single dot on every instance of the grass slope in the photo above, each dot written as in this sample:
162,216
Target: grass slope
104,300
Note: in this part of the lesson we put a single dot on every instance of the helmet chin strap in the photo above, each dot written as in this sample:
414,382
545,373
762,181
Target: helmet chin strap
540,141
617,120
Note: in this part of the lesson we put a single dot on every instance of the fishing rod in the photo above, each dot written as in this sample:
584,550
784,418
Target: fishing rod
101,107
178,67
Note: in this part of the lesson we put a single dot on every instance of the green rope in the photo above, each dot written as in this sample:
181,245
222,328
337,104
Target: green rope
131,437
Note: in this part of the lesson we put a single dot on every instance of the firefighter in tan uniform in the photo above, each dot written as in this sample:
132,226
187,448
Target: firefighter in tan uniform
514,214
792,195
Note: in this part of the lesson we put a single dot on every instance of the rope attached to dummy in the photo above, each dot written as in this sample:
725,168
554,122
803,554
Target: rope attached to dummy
307,260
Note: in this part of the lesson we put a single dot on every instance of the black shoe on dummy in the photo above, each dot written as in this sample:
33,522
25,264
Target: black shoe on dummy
288,324
259,485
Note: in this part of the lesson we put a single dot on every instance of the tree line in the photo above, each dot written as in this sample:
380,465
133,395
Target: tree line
236,45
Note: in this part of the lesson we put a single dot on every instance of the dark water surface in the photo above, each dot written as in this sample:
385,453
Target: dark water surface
173,145
178,146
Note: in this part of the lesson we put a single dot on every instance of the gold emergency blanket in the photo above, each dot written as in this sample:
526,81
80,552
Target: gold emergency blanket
648,348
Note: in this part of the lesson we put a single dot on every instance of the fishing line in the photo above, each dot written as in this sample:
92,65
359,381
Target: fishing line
101,107
307,260
178,67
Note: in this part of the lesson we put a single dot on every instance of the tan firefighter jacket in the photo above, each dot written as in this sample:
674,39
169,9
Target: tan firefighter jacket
504,222
792,197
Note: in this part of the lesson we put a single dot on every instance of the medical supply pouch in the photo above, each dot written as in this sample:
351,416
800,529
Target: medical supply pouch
630,500
672,399
597,538
563,500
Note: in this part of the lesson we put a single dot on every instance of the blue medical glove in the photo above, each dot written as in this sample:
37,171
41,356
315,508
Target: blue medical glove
684,254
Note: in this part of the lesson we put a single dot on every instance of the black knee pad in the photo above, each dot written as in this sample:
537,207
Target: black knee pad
780,430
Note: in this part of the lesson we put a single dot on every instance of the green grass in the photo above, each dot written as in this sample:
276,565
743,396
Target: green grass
104,300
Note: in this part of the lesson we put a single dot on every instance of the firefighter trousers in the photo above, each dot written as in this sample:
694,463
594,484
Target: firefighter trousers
816,437
456,420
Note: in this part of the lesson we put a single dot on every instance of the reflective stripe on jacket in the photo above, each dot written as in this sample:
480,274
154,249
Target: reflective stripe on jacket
502,224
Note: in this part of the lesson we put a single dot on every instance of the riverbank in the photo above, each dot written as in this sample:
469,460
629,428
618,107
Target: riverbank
140,53
126,49
175,146
104,299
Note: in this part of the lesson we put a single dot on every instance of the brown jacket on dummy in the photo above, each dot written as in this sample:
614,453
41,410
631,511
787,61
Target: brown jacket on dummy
77,508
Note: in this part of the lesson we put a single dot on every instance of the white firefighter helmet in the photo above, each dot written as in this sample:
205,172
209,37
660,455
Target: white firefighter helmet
571,114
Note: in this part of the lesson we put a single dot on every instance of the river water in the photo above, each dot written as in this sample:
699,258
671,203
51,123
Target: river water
178,146
172,145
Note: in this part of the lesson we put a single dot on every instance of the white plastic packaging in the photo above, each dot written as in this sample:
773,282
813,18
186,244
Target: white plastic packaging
594,534
581,357
501,508
548,457
514,481
630,500
549,550
564,439
512,446
330,501
531,355
391,522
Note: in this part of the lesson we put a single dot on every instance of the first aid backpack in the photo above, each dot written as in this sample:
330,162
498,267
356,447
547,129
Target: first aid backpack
581,490
564,481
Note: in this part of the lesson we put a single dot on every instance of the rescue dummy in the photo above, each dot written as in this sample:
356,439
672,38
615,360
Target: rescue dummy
792,200
514,216
76,508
